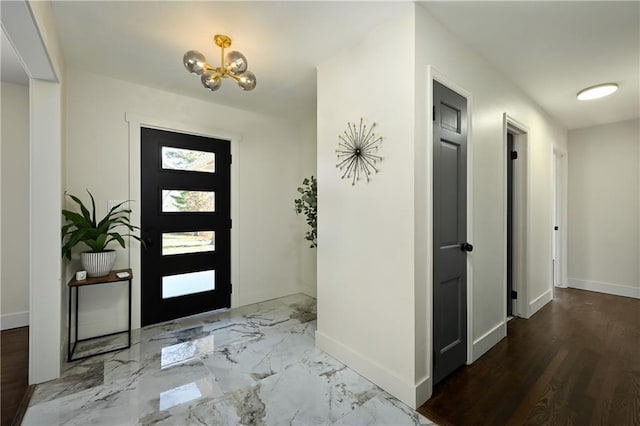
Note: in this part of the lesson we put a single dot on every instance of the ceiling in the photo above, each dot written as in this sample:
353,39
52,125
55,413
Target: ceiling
550,49
144,42
11,70
554,49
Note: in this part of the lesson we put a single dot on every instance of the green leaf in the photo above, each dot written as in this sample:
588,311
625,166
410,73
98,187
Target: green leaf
84,210
117,237
93,207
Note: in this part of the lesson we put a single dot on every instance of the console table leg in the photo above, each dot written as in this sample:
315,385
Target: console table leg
69,328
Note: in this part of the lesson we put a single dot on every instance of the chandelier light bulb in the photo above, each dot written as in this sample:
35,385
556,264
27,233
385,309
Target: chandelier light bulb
194,62
211,80
247,80
235,62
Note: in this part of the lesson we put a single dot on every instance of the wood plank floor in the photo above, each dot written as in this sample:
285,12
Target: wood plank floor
14,370
576,361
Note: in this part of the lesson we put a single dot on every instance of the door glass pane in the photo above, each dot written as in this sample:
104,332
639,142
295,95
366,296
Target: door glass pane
178,200
189,283
188,242
188,159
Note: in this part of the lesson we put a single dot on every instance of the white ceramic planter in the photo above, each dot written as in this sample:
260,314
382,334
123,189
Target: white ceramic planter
98,264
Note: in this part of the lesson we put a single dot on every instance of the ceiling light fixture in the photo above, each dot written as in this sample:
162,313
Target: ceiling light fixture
234,65
597,91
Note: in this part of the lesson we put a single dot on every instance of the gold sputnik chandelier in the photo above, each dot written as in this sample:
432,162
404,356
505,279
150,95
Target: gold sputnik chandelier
233,65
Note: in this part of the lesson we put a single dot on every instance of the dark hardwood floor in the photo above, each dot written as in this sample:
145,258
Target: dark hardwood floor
575,362
14,370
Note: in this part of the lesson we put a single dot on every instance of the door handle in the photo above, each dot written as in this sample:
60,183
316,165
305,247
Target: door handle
148,241
466,247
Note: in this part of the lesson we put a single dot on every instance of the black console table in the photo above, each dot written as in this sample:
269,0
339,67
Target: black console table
107,279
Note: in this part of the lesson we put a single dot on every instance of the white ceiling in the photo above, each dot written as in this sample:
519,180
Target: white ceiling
550,49
11,70
554,49
144,42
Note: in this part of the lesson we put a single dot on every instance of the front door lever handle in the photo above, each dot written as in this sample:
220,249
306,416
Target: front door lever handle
466,247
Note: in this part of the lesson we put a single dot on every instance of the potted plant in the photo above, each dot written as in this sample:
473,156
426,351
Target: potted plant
84,228
308,204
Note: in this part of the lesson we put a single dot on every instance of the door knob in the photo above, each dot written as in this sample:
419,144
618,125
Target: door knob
466,247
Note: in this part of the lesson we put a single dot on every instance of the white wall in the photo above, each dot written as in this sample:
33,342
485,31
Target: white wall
374,275
603,252
30,27
492,95
15,206
365,232
269,170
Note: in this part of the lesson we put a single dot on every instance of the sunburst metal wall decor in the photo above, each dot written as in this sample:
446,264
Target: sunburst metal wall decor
357,152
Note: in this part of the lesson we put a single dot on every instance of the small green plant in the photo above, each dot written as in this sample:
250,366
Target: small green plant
83,227
308,204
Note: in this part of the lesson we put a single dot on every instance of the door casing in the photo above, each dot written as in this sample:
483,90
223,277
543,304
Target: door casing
135,122
520,186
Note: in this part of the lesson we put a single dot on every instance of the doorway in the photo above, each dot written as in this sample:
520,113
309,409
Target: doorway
515,148
512,155
450,246
559,209
186,224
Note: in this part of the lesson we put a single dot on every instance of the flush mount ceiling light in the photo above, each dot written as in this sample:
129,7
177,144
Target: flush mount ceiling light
234,66
598,91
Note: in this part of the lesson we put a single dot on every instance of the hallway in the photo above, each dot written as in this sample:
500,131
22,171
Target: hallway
576,361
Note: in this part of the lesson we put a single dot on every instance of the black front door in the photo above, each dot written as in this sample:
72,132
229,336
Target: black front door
449,231
186,224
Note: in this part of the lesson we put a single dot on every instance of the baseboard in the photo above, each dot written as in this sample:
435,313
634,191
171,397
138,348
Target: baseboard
488,340
608,288
536,304
24,404
18,319
424,390
368,368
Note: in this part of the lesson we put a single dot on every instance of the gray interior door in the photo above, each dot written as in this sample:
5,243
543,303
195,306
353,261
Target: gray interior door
449,231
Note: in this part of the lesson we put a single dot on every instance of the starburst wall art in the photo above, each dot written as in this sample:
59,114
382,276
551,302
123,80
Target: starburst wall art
357,152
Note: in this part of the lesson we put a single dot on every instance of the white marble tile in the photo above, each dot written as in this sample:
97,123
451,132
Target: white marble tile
126,400
254,365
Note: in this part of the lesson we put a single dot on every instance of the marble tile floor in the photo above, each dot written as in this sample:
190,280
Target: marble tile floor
254,365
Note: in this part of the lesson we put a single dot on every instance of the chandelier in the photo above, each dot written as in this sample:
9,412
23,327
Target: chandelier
234,66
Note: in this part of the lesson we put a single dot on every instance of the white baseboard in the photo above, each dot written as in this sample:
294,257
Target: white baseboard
536,304
488,340
368,368
608,288
424,389
18,319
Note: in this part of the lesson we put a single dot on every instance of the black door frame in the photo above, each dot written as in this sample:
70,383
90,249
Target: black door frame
136,122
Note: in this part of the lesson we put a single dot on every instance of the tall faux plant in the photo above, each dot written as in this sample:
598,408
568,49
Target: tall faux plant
308,204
